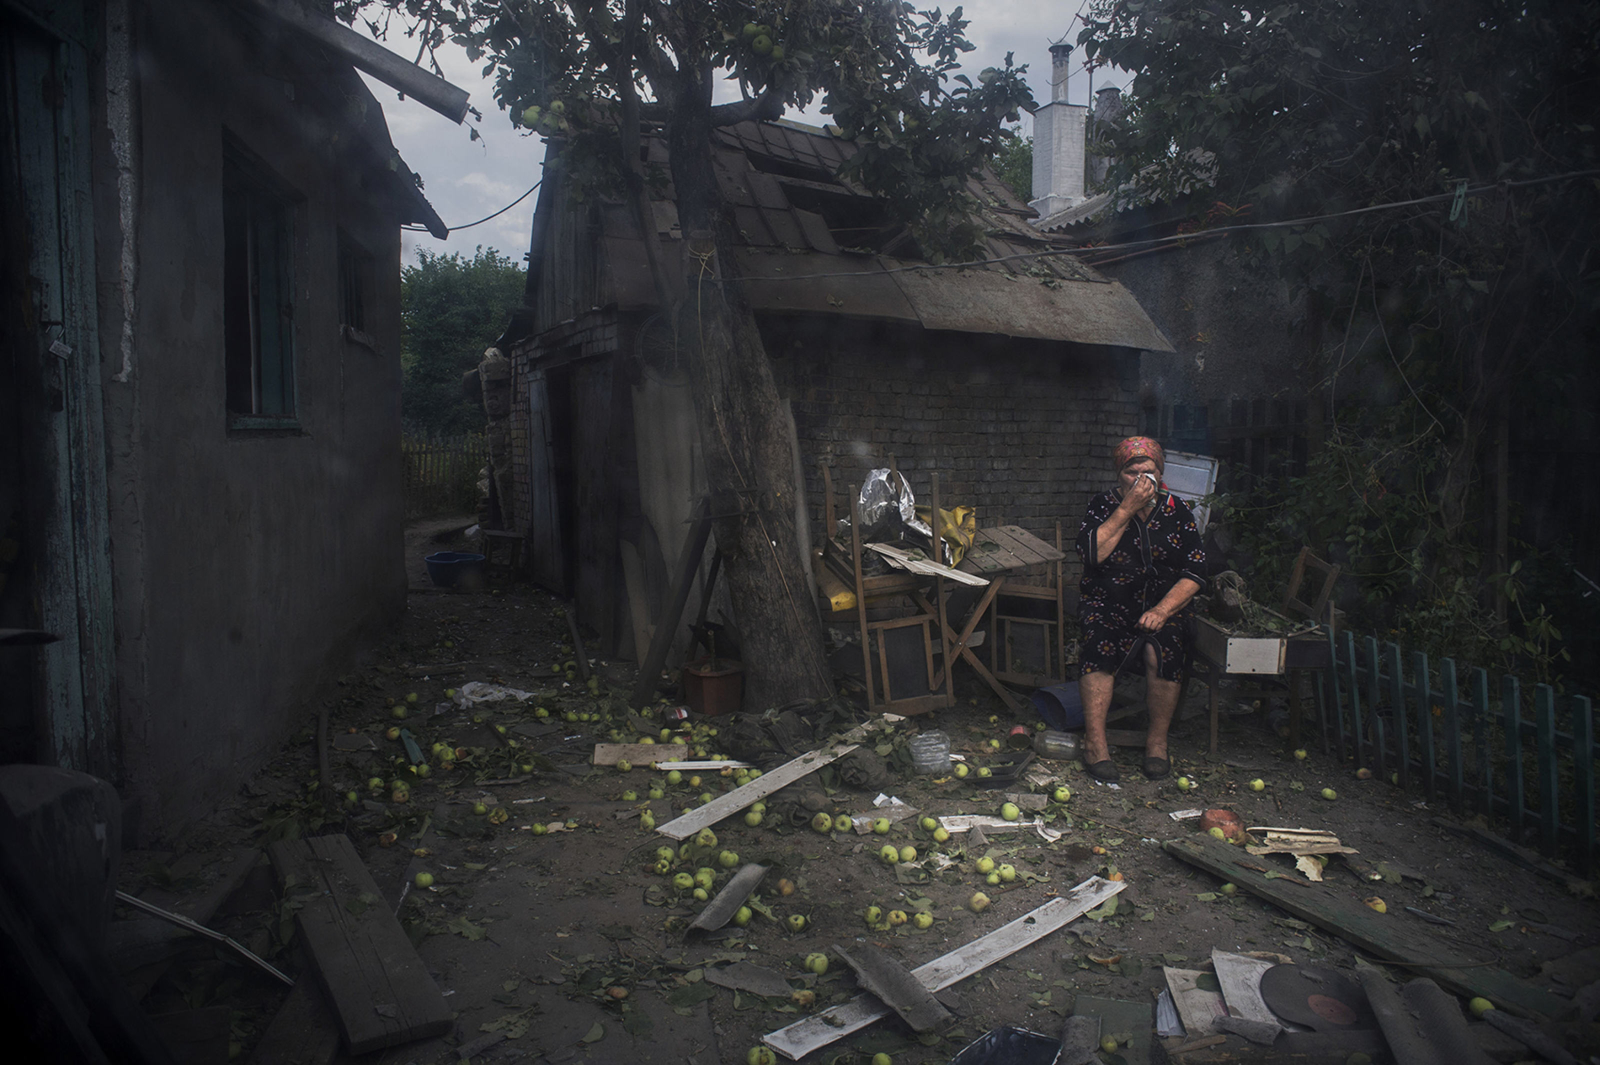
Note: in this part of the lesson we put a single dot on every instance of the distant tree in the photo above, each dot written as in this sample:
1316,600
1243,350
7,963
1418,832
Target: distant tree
1013,163
451,308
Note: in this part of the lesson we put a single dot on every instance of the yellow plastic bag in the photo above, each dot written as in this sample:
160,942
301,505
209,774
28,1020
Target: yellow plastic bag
957,527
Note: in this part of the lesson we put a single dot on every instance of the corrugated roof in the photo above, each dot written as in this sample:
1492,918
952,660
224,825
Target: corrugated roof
790,261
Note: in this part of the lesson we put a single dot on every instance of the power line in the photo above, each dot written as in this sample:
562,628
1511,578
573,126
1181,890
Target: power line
1179,238
481,221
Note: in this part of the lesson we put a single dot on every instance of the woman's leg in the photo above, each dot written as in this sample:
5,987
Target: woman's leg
1095,691
1161,700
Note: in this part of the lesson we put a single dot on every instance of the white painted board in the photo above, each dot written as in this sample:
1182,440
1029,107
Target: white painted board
1190,477
801,1038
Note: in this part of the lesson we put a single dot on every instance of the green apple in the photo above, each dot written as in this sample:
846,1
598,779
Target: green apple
889,853
1008,873
930,823
993,879
796,922
683,882
897,918
1479,1006
1258,784
817,962
881,826
727,859
985,865
1329,794
706,838
842,823
923,920
979,902
873,914
1300,754
984,772
1228,889
752,818
1184,784
1061,794
941,834
822,823
908,853
961,769
423,880
630,796
624,766
1010,812
742,917
674,777
665,854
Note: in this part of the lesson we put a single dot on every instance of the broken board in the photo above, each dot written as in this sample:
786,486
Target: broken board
381,992
1130,1020
801,1038
894,984
1378,934
638,754
730,803
720,910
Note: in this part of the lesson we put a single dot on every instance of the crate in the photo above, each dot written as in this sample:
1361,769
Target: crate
1261,655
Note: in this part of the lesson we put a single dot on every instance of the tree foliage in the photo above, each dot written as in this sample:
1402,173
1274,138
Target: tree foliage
451,309
1014,165
1446,257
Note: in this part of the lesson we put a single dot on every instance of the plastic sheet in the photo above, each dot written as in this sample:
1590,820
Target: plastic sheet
1009,1046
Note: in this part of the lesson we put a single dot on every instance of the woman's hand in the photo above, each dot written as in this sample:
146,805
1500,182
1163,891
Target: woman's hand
1139,495
1153,620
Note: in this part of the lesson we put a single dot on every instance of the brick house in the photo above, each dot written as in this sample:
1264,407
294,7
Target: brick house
200,212
1013,381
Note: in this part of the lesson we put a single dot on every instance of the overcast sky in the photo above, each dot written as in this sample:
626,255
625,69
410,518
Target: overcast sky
466,180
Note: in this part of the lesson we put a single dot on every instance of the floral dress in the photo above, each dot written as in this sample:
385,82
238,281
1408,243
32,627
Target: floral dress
1150,558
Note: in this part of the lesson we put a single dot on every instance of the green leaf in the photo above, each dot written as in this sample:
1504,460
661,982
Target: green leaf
465,928
597,1033
1501,926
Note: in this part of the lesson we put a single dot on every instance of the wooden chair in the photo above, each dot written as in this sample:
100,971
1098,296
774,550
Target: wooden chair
897,623
1314,607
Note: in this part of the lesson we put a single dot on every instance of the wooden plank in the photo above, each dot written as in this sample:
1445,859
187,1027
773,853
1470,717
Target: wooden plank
1197,1007
720,910
1452,732
666,626
1520,855
381,992
1375,933
302,1032
1424,696
200,910
1028,548
895,986
732,802
1511,707
1583,782
638,754
801,1038
1544,721
902,558
1131,1019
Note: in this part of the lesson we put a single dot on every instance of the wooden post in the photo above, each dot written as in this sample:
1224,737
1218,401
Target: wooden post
1357,733
1374,690
1583,782
1544,719
1511,710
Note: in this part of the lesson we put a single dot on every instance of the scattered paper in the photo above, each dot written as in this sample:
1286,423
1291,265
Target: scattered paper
476,691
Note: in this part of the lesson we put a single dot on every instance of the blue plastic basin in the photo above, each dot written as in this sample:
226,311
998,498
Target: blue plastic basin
449,568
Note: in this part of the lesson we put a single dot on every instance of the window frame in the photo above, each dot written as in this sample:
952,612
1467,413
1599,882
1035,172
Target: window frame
259,252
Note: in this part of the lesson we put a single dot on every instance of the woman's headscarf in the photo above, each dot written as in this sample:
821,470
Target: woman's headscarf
1136,447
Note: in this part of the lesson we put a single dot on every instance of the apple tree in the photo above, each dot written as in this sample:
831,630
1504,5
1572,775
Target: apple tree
594,75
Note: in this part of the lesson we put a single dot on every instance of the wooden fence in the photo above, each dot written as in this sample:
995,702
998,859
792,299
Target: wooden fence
1514,756
441,474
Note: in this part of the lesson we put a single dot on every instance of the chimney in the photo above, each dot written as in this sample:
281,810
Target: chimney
1107,114
1058,142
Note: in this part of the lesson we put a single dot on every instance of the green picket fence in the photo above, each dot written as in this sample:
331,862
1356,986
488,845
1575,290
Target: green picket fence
1513,755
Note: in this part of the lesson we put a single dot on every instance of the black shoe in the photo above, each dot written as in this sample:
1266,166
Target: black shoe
1105,771
1156,768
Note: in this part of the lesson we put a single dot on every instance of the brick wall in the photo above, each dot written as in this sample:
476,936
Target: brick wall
1021,429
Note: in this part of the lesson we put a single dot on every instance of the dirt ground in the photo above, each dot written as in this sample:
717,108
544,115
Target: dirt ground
530,934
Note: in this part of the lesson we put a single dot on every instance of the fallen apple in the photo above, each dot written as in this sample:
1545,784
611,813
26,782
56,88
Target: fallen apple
889,853
630,796
742,916
842,823
423,880
683,882
1300,754
817,962
984,772
881,826
986,865
961,769
752,818
979,902
760,1056
1258,784
1479,1006
1184,784
1010,811
930,823
479,808
706,838
822,823
624,766
399,713
873,914
1061,794
797,922
908,853
1008,873
941,834
1228,889
392,732
727,859
1329,794
922,920
804,998
993,879
897,918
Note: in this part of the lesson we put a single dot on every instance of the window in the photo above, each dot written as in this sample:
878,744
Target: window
258,295
355,278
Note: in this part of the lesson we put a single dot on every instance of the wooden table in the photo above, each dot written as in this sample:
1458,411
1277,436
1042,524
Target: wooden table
996,553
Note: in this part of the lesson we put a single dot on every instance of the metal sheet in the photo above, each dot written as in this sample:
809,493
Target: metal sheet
983,301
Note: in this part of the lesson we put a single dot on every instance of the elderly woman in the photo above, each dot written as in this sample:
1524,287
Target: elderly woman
1143,561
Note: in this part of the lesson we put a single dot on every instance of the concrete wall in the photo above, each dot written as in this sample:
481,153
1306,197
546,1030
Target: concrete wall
246,563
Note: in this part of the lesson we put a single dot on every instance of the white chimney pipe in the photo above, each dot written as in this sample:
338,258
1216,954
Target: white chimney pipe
1059,129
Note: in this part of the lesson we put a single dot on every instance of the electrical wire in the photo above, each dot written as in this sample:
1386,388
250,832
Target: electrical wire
481,221
1177,238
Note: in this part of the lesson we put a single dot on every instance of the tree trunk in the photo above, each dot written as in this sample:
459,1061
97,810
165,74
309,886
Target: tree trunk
745,438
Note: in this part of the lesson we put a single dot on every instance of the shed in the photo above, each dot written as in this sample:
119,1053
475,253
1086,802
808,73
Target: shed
1012,378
